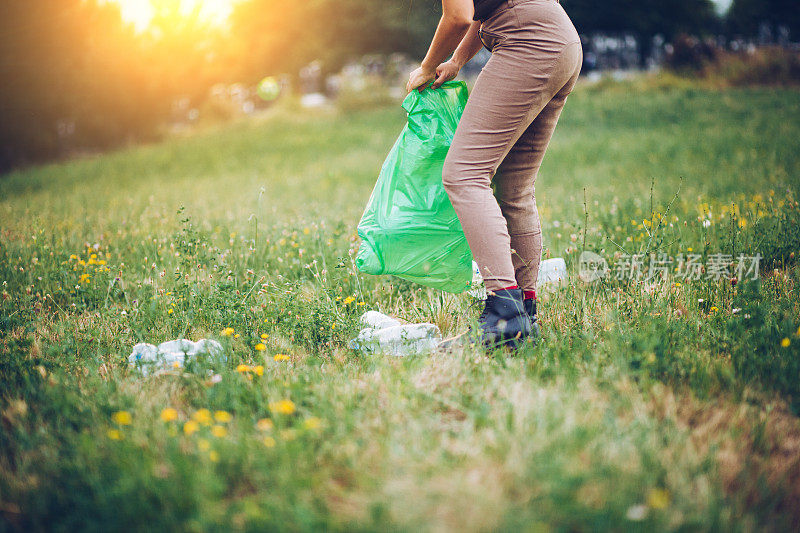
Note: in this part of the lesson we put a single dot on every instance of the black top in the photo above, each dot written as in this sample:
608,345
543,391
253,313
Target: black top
486,8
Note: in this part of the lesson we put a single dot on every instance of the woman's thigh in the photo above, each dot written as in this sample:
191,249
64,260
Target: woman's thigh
510,92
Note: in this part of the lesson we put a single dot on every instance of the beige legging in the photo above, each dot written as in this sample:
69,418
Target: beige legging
504,132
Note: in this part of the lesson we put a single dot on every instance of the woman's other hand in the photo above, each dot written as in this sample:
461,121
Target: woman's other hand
420,78
445,72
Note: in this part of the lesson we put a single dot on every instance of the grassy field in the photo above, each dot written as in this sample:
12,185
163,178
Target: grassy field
668,404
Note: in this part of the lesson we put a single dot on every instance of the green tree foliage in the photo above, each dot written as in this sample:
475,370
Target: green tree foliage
75,76
745,16
74,66
644,18
40,48
280,37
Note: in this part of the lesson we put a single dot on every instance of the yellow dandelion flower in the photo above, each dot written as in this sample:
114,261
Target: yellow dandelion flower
689,249
260,347
222,416
190,427
265,424
259,370
170,311
114,434
73,257
281,357
227,332
203,444
714,309
268,441
306,230
284,407
219,431
203,416
312,423
242,369
264,336
658,499
123,418
213,456
348,300
169,414
786,342
236,336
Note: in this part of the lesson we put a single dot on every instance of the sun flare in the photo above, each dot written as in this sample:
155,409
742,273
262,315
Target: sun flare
141,12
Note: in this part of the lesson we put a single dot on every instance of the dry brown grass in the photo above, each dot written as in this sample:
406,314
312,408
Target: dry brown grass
756,445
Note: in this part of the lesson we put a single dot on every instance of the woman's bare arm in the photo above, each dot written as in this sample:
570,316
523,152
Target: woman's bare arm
469,46
455,22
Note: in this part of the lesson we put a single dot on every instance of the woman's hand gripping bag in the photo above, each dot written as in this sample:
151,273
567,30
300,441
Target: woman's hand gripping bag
409,228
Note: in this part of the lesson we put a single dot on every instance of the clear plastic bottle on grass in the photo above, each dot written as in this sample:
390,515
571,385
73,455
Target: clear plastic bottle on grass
386,335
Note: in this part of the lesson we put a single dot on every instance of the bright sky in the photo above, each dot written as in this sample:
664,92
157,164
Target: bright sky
140,12
723,5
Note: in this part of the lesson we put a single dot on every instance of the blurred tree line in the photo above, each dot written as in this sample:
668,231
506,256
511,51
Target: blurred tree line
76,76
746,17
644,19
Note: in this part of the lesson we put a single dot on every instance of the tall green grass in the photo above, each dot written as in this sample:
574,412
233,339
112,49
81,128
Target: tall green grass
666,404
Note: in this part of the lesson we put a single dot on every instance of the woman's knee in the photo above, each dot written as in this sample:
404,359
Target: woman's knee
450,174
517,213
515,200
462,176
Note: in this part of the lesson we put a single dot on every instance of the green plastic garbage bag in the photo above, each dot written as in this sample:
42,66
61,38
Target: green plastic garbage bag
409,228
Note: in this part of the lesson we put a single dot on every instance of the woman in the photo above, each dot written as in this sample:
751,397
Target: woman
506,127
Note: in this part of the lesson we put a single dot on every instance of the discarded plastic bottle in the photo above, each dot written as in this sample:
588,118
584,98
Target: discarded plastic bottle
552,272
171,354
552,275
388,335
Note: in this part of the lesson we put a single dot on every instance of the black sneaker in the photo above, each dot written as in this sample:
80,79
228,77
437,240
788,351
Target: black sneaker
504,321
530,310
